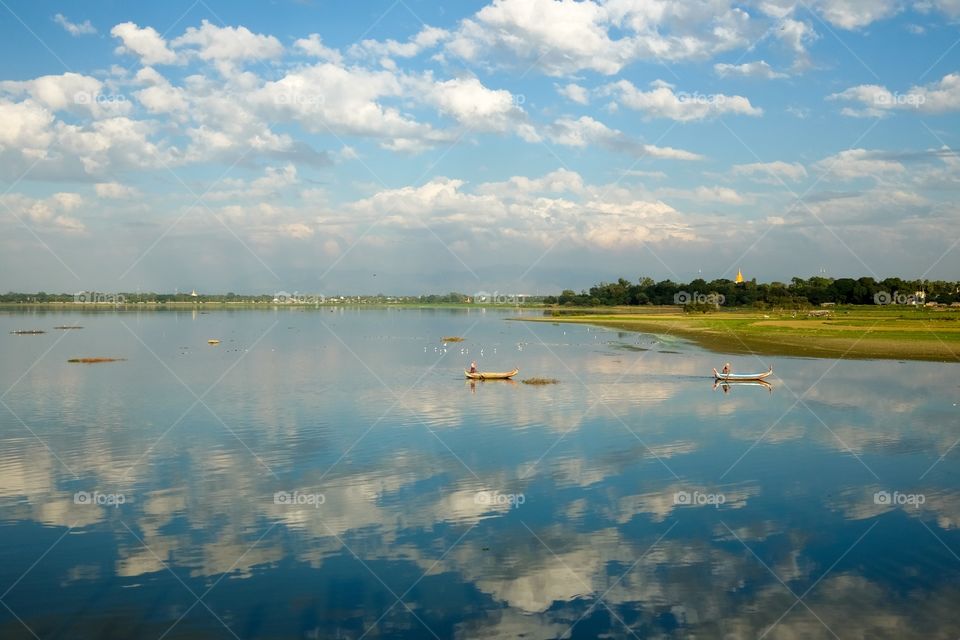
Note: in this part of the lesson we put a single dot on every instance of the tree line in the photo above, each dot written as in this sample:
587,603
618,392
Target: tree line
798,293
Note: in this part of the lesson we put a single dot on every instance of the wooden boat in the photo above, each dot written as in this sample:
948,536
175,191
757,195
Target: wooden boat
213,341
488,375
737,377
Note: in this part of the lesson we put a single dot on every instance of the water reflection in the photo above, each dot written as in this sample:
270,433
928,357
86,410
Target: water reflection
336,480
727,385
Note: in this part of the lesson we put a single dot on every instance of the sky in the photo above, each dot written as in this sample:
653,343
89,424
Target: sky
511,146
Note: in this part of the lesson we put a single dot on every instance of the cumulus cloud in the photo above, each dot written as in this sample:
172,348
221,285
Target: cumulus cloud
559,37
74,28
574,93
51,213
228,45
479,108
428,38
567,36
313,46
114,191
771,172
855,14
69,92
797,35
758,69
145,43
859,163
559,181
585,131
662,102
938,97
326,97
530,209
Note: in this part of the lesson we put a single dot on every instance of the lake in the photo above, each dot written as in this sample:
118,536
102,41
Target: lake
329,473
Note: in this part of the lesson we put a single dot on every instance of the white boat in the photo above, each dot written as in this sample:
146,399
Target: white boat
734,377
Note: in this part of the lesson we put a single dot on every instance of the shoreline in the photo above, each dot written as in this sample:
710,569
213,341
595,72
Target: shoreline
184,306
853,333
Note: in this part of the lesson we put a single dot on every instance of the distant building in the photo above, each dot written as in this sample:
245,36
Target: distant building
739,279
194,294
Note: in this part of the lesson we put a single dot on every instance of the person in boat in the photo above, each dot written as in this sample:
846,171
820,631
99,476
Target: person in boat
726,369
473,367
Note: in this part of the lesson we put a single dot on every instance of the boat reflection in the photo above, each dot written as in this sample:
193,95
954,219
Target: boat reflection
494,381
726,385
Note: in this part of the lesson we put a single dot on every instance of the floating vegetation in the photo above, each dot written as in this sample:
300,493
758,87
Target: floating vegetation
453,339
540,381
28,332
67,326
95,360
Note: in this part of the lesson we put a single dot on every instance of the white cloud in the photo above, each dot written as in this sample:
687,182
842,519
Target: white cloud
877,101
71,92
113,143
114,191
758,69
797,36
274,182
558,36
567,36
524,209
145,43
25,127
663,102
950,8
313,46
559,181
854,14
160,96
74,28
428,38
574,93
296,230
859,163
724,195
585,131
704,193
327,97
229,44
771,172
474,105
50,213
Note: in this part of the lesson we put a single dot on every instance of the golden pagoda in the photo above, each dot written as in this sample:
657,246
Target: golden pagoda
739,279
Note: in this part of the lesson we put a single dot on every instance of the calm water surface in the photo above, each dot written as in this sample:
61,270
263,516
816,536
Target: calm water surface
330,474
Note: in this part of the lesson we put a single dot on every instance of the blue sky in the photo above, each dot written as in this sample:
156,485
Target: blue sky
520,146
